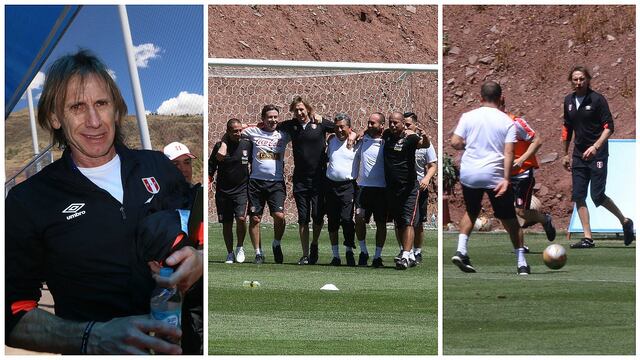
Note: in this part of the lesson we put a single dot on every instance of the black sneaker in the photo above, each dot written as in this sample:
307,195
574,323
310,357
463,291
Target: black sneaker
462,262
335,262
584,243
524,270
303,261
377,263
259,259
627,228
277,254
402,264
363,259
418,258
548,228
313,254
351,260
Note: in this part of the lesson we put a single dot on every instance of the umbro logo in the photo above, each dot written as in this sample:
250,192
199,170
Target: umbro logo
74,210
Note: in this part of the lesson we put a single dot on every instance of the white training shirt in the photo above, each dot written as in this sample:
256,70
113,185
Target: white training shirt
485,131
268,153
107,177
579,101
343,164
371,167
424,157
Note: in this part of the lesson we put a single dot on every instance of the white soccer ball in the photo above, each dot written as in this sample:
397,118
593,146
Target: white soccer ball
554,256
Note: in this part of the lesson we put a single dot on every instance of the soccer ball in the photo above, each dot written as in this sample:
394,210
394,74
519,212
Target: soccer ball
554,256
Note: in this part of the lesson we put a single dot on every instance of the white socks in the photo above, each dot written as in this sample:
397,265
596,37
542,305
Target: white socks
462,243
520,257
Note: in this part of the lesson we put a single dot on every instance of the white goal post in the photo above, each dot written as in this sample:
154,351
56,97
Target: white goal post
239,88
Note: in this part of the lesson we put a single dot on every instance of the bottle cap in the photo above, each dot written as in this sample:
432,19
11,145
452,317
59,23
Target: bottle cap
166,272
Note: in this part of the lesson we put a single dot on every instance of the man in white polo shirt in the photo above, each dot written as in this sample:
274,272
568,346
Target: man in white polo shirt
341,173
487,136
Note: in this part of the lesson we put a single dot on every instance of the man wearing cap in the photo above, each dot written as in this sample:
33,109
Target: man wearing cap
181,157
192,310
73,225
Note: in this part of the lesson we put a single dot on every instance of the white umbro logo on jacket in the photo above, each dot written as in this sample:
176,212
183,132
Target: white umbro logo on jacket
74,210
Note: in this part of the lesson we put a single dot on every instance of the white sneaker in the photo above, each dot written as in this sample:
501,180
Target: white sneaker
229,258
240,255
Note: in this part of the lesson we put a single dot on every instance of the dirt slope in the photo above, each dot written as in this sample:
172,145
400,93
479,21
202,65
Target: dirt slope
530,50
359,33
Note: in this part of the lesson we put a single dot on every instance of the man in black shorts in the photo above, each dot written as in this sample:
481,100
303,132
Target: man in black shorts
400,146
340,187
586,113
231,188
308,132
266,180
487,136
370,191
522,175
426,168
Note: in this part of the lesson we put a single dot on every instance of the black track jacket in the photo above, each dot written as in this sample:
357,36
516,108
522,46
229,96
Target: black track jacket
64,230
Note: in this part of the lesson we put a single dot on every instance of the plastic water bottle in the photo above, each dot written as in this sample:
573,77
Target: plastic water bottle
166,304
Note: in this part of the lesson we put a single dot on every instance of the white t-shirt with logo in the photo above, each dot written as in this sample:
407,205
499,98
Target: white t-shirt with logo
371,167
343,164
268,153
485,131
424,157
107,177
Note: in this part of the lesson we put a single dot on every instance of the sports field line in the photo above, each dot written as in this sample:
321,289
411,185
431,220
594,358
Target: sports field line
531,278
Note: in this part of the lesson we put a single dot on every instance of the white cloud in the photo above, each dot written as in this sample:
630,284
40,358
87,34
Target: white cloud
37,81
144,53
112,74
184,103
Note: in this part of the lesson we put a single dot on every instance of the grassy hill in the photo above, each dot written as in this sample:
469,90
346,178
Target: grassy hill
163,129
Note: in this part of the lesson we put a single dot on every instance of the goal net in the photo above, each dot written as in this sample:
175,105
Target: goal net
242,91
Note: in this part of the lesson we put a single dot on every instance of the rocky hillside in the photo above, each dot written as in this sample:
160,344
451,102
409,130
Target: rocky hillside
359,33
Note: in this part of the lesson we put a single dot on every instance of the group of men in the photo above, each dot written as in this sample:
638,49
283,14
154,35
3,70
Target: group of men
499,160
336,172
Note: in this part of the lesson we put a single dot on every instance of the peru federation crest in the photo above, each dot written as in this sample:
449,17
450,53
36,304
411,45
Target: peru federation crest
151,185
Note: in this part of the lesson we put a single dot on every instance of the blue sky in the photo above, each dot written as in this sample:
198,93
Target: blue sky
169,53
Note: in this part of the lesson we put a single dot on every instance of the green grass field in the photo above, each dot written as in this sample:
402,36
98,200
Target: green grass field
376,311
587,307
